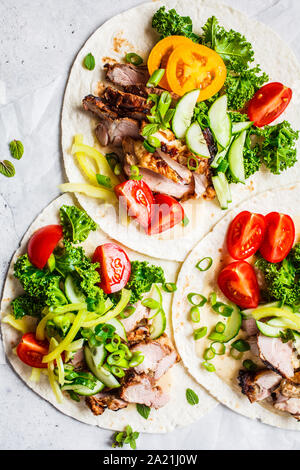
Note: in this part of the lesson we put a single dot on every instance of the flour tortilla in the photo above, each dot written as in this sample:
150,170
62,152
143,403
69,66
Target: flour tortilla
131,31
223,384
176,413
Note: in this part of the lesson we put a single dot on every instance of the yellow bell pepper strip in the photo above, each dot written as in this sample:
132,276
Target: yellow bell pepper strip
20,325
40,329
262,312
122,304
80,317
75,346
51,376
92,191
35,375
59,362
85,165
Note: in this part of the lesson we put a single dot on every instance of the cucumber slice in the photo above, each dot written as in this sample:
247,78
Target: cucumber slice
238,127
85,391
220,122
297,341
222,189
196,142
101,373
120,330
236,158
268,330
233,326
99,354
72,292
248,312
281,322
158,325
183,113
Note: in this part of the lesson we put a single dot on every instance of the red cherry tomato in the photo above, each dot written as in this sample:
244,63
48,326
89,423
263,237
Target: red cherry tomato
167,213
31,351
245,234
138,198
115,267
268,103
42,244
279,237
238,283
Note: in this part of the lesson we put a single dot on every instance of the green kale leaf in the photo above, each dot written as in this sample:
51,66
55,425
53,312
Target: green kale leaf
27,305
240,87
76,224
169,23
143,276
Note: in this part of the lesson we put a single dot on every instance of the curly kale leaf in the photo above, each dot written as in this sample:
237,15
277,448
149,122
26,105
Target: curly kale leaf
235,116
278,148
170,23
143,276
76,224
39,283
240,87
27,305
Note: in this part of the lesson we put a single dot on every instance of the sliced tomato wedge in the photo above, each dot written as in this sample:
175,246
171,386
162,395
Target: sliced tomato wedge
167,213
245,234
279,237
115,267
268,103
31,351
138,198
42,244
238,283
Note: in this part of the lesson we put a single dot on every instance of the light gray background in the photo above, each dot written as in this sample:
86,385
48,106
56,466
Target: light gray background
38,42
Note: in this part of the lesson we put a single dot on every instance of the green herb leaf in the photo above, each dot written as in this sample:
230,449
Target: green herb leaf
143,410
103,180
7,168
89,62
16,149
191,396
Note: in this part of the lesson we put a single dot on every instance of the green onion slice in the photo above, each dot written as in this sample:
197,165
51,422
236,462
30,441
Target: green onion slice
155,78
208,366
222,309
154,141
235,354
201,299
207,262
193,163
104,180
137,359
195,314
185,221
200,333
151,303
127,312
241,345
117,371
220,327
135,173
249,365
149,147
218,348
112,159
208,354
117,169
212,298
133,58
164,104
169,287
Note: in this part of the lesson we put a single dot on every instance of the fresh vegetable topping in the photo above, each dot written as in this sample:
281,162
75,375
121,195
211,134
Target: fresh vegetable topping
278,238
170,23
138,198
114,268
16,149
245,235
238,283
143,276
7,168
31,351
268,103
42,243
133,58
89,61
168,213
125,437
191,397
76,224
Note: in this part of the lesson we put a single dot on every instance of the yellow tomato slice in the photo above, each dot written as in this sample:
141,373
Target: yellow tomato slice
193,67
161,52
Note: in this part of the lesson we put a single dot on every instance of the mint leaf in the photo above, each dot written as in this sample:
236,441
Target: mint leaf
143,410
191,396
7,168
89,62
16,149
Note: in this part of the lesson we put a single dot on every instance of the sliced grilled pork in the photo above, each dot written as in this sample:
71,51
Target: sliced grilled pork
78,361
99,107
127,104
287,398
249,326
161,184
276,355
112,131
139,334
142,389
135,318
182,171
126,74
159,356
258,385
98,403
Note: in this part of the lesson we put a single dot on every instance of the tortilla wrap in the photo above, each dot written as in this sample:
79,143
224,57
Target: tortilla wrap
176,413
131,31
222,384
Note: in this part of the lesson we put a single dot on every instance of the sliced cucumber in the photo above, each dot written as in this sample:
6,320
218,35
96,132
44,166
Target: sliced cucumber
196,142
297,341
83,390
158,325
248,313
184,112
236,158
99,354
220,122
233,326
238,127
281,322
72,292
222,189
101,373
268,330
120,330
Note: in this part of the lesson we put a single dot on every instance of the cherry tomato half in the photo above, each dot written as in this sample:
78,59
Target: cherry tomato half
42,244
279,237
167,213
31,351
238,283
138,198
268,103
115,267
245,234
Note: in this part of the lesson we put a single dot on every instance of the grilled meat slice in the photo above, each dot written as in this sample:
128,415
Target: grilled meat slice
249,326
78,361
127,104
112,131
99,107
136,317
126,74
287,398
141,333
98,403
182,171
276,355
258,385
159,356
142,389
160,184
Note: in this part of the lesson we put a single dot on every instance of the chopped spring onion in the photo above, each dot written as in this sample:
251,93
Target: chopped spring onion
249,365
125,348
222,309
164,104
127,312
212,298
117,169
155,78
151,303
149,147
195,314
154,141
241,345
218,348
113,344
200,333
193,163
133,58
135,173
185,220
112,159
201,299
235,354
117,371
208,366
169,287
207,261
208,354
137,359
116,358
220,327
103,180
